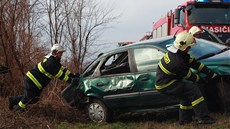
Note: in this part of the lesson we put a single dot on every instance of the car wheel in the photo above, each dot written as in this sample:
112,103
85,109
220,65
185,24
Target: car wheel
224,95
98,112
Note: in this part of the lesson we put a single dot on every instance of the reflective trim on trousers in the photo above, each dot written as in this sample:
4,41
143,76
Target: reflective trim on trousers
194,103
20,104
185,107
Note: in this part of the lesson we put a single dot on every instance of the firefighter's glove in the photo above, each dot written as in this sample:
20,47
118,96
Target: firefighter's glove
75,79
203,81
210,75
77,75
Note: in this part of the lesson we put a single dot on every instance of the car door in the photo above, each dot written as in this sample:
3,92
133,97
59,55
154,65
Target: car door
146,60
115,83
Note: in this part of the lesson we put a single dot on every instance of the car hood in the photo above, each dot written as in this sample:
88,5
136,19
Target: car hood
220,63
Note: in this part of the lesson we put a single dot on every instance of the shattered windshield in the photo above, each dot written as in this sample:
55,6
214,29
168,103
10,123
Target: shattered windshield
205,47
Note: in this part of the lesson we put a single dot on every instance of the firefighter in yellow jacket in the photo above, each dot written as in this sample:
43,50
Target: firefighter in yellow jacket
173,69
39,77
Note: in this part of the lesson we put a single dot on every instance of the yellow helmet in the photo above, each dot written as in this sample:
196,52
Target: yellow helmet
182,41
194,30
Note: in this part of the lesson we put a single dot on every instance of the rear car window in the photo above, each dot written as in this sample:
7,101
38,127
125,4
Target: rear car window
147,58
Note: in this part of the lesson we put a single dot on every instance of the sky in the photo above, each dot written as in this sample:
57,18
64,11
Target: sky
136,18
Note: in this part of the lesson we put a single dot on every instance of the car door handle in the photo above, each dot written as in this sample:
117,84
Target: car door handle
100,84
144,79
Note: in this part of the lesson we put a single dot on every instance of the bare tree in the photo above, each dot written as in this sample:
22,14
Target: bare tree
77,24
90,19
54,20
28,27
18,38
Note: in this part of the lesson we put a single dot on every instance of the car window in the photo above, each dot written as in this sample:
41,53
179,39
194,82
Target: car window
115,64
147,58
90,69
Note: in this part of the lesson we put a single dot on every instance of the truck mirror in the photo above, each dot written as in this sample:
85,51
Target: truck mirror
189,7
177,16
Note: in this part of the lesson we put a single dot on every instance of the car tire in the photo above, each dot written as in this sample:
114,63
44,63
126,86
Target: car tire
224,96
99,112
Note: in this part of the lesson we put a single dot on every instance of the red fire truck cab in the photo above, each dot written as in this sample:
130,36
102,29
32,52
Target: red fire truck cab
211,14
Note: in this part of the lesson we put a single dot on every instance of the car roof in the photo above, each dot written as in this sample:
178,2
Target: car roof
161,43
152,42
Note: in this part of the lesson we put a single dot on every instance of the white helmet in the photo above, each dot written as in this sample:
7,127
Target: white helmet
194,30
182,41
57,48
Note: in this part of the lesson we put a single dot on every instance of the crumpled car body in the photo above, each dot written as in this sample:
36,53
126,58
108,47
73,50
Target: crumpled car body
123,80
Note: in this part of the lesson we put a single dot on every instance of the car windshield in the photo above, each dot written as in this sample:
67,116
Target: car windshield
205,47
202,48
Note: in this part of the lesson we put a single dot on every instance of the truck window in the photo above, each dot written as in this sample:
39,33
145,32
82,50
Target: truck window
182,21
213,15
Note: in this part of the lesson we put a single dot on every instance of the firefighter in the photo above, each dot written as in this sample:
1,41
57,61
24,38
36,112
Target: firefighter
173,69
39,77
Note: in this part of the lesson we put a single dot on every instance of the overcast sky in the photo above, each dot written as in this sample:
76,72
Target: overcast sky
136,19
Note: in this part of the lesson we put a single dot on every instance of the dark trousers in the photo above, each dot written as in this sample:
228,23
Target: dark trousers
188,93
31,93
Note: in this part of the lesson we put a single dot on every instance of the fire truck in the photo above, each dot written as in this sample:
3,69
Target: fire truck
211,14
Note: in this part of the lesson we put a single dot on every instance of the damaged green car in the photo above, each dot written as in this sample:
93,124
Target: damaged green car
123,80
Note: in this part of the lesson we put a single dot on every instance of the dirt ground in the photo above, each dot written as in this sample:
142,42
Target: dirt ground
41,115
45,115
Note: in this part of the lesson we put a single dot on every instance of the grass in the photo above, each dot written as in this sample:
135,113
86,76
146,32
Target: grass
51,116
143,125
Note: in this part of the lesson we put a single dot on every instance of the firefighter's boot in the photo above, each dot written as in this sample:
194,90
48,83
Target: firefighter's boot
185,116
206,120
19,109
11,102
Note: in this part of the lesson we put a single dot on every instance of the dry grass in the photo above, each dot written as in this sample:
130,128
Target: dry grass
39,116
47,115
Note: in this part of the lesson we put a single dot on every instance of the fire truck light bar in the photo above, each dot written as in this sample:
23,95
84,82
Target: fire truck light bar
212,0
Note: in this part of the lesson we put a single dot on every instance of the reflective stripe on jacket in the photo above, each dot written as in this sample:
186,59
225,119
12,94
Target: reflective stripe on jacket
176,66
44,71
